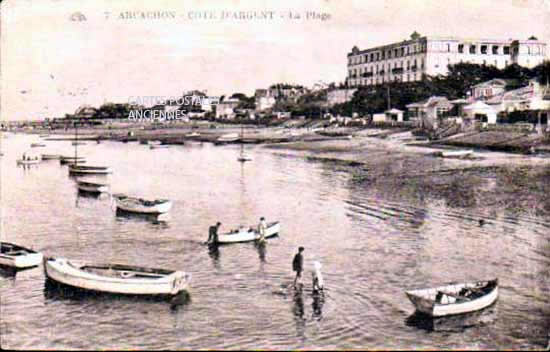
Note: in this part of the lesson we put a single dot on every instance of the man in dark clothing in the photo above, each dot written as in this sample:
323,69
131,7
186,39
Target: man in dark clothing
213,233
298,264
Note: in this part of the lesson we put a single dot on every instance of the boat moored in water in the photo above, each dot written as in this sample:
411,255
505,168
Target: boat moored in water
34,145
18,257
456,298
116,278
249,234
89,170
92,187
142,206
51,156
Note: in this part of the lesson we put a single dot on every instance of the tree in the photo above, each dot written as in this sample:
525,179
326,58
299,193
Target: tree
415,35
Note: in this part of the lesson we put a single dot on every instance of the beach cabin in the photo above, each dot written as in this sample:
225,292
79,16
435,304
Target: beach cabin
394,115
481,111
428,111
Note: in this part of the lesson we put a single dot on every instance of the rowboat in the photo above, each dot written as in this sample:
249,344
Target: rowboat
157,146
78,143
29,158
34,145
249,234
142,206
89,170
454,153
92,187
18,257
116,278
454,299
227,138
51,156
28,161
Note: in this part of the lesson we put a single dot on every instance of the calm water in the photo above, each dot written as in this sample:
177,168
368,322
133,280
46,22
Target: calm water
376,231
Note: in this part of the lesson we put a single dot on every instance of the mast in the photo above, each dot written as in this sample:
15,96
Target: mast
75,140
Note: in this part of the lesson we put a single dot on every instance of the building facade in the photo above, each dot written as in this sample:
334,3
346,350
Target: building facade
408,60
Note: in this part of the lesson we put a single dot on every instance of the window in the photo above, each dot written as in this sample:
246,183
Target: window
402,51
383,55
461,48
484,49
472,49
505,62
495,49
448,48
506,50
408,50
389,54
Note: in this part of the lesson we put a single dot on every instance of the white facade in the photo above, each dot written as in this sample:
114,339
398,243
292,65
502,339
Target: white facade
408,60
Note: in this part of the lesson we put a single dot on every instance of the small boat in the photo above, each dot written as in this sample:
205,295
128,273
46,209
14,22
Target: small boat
157,146
78,143
92,187
249,234
192,134
89,170
116,278
29,158
454,299
227,138
142,206
454,153
44,135
18,257
35,145
51,156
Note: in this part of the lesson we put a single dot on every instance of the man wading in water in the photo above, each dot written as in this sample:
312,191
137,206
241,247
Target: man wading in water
298,264
213,233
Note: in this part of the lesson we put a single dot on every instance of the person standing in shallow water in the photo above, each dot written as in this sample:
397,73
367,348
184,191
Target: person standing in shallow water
213,233
298,264
262,228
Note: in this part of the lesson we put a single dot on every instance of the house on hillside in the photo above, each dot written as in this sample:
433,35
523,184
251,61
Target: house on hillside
339,96
488,89
226,108
264,99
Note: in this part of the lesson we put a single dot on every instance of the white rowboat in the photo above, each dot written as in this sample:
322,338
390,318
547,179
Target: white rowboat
116,278
28,162
247,235
454,298
18,257
142,206
454,153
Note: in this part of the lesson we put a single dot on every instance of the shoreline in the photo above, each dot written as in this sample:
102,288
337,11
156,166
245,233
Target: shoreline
347,145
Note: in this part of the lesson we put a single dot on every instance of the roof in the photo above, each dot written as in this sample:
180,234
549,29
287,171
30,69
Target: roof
434,101
492,82
479,106
516,95
394,111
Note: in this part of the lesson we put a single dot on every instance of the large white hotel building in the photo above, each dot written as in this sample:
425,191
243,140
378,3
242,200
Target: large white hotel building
408,60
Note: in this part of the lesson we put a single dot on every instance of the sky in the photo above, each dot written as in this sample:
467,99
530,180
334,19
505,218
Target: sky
51,63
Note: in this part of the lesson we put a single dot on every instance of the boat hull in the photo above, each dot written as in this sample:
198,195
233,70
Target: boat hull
65,272
424,302
248,236
93,189
20,257
27,162
89,170
134,207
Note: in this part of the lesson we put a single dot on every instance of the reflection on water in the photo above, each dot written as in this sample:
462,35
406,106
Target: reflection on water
397,223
